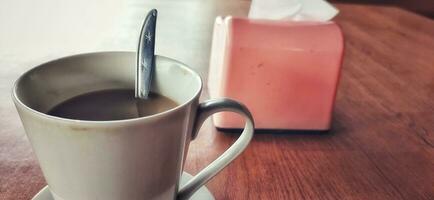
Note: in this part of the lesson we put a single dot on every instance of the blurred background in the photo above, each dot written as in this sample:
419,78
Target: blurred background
46,29
423,7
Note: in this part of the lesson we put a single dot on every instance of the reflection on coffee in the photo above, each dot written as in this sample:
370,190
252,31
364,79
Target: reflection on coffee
115,104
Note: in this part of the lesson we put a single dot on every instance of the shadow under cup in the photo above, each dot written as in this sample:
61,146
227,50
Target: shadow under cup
139,158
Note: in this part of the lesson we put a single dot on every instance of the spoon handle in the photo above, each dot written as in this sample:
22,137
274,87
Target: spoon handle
145,56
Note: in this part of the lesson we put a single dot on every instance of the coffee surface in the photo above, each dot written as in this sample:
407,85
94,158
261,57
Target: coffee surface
115,104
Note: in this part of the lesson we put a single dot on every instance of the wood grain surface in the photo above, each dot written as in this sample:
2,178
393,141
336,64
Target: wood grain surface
381,145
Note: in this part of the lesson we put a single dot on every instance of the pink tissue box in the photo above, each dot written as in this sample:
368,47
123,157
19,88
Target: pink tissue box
285,72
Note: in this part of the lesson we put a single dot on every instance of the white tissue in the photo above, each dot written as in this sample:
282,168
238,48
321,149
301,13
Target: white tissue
295,10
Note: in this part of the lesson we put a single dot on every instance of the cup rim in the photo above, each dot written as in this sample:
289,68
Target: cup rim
18,102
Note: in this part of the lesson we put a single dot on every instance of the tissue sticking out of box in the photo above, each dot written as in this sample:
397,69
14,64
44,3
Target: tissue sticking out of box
294,10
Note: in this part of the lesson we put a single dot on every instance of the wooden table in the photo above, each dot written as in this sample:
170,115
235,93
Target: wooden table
382,142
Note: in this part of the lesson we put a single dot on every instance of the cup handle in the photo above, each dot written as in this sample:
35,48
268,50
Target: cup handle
205,110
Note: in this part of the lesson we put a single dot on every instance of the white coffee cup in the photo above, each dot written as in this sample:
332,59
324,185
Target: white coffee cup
139,158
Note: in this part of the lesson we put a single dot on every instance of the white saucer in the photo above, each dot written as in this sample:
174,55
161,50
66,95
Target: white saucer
202,194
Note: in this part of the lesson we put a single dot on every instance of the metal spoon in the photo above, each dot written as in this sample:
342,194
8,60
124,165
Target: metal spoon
146,56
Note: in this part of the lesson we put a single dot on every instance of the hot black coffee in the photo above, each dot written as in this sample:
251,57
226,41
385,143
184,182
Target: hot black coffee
115,104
